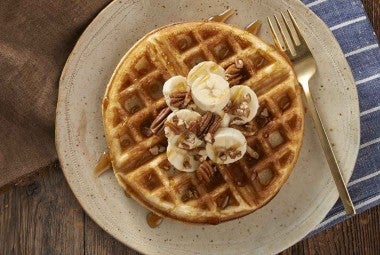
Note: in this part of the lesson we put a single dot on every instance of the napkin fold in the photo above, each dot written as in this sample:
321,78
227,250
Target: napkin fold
35,40
348,22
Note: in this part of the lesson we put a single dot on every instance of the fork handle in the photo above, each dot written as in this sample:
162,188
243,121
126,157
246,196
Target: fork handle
329,154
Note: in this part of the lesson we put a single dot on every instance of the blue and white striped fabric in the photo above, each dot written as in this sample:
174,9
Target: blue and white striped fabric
351,27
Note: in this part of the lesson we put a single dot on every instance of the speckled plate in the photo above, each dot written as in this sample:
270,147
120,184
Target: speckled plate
300,205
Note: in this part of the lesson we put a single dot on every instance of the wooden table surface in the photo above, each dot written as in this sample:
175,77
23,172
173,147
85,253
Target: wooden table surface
43,217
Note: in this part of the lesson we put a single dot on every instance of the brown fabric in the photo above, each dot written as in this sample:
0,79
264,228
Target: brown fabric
36,38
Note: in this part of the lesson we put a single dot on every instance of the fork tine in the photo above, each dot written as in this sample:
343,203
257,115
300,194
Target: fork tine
296,28
291,34
287,47
274,35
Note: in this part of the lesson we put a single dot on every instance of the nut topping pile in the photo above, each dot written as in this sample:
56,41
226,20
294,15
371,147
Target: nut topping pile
206,120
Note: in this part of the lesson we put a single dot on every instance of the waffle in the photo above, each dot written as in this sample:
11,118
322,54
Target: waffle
134,98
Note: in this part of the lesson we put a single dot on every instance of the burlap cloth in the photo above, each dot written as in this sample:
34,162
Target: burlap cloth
36,38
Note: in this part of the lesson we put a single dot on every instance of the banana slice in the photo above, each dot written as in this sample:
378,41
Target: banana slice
179,120
183,160
173,85
230,145
210,92
244,104
225,118
206,67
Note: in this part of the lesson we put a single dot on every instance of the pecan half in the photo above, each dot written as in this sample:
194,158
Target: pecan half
215,124
194,127
157,126
209,123
205,123
234,72
205,172
180,99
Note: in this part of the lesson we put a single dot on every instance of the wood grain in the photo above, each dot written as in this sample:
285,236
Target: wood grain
358,235
97,241
372,7
41,217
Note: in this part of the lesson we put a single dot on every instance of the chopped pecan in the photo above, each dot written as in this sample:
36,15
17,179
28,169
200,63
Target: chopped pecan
205,172
262,121
154,150
146,131
241,109
177,129
178,94
253,176
222,155
209,138
157,126
186,163
225,201
188,141
175,119
234,72
263,118
183,145
180,99
187,99
236,120
194,127
251,152
228,107
247,98
198,157
248,129
233,153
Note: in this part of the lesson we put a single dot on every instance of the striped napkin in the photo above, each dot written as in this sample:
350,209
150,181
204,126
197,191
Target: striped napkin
351,27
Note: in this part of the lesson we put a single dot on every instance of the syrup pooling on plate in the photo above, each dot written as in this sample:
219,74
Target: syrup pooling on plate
103,164
153,220
223,16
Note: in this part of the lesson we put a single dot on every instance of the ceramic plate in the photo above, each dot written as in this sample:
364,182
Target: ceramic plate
300,205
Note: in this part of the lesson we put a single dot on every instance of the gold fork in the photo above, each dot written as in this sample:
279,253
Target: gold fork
305,67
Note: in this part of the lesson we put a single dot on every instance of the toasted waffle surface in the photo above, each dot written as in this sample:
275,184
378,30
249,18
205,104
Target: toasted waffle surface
134,98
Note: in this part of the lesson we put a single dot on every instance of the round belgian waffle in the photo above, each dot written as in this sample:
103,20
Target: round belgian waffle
134,98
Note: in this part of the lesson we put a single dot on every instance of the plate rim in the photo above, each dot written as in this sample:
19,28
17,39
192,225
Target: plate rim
59,130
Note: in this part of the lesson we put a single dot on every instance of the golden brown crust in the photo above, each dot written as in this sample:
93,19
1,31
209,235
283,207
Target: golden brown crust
133,99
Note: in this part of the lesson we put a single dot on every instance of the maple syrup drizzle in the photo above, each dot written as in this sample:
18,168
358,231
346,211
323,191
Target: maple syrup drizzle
104,164
253,27
223,16
153,220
